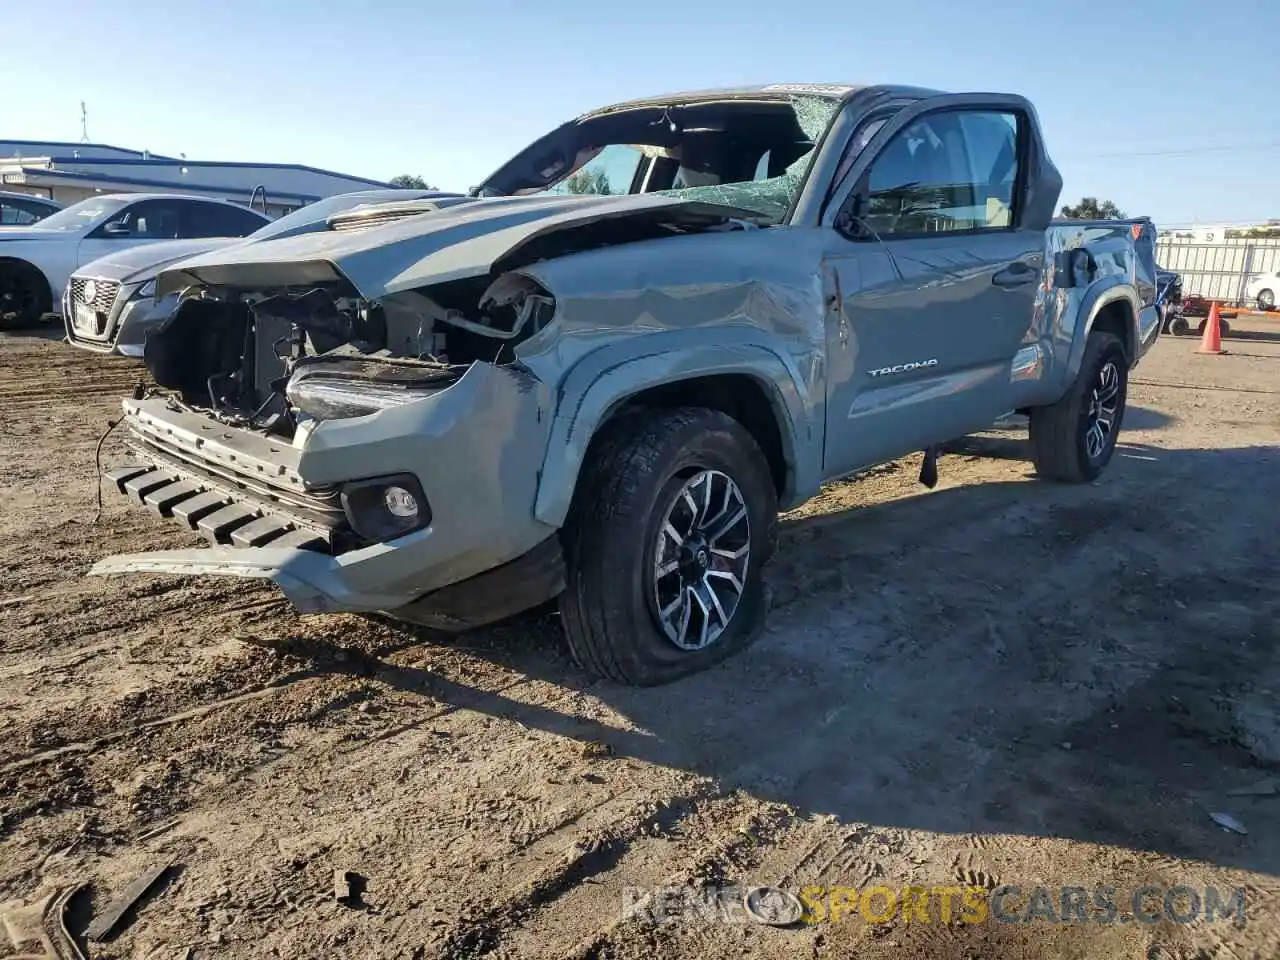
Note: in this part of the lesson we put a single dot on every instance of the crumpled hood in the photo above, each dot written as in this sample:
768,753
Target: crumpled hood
34,233
440,243
135,264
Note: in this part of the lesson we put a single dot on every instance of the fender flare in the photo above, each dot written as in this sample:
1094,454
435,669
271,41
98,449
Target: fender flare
1108,292
601,382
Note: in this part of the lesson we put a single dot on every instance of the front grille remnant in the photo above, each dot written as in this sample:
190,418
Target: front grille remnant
216,515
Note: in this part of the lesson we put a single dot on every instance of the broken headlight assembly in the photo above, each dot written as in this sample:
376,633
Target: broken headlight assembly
383,508
326,399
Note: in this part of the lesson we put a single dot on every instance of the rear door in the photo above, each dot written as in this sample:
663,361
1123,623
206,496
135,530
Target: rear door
933,286
219,220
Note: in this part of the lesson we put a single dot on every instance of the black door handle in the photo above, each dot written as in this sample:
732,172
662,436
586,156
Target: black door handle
1015,275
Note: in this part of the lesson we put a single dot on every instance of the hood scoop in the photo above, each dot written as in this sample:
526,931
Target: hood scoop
379,216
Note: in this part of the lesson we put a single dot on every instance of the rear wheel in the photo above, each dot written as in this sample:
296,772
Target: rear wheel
1073,440
1224,328
1266,300
673,520
24,295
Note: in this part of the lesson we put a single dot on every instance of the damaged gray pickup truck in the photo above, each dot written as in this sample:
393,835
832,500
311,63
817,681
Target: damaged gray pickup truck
602,373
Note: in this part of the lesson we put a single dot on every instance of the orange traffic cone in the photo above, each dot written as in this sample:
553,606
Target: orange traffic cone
1211,342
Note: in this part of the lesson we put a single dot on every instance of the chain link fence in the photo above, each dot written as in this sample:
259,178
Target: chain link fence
1218,270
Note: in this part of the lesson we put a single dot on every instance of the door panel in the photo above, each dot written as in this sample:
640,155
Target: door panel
935,291
926,348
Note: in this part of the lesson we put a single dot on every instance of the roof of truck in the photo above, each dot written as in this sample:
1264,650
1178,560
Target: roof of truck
837,91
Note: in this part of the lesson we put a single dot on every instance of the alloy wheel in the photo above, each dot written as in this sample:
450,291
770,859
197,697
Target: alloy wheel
700,560
1101,410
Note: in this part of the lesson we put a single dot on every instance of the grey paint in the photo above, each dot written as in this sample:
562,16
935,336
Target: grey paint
801,309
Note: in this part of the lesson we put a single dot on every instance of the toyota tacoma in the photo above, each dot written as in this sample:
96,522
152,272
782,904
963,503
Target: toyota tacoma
601,374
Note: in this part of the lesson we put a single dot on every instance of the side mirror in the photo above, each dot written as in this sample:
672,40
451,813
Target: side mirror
117,228
1073,268
849,221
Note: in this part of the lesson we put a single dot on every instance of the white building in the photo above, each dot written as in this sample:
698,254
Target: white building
69,172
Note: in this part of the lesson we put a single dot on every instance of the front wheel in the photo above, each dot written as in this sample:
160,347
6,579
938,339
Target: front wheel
24,295
1073,440
673,520
1266,300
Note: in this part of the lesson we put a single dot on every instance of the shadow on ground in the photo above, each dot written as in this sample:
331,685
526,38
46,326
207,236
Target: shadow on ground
45,331
1002,658
1266,336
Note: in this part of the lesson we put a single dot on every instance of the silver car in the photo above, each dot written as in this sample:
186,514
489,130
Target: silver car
109,305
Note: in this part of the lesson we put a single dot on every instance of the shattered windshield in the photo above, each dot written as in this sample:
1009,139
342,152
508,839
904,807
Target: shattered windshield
751,154
772,195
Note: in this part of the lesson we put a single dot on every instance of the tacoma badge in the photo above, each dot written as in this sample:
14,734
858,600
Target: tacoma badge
903,367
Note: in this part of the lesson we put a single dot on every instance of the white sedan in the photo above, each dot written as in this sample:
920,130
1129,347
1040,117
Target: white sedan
37,261
1262,290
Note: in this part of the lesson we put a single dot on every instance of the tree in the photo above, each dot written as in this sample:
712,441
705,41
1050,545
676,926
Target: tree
1091,208
410,181
588,181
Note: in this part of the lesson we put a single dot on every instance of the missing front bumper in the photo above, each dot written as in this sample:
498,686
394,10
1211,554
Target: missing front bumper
315,583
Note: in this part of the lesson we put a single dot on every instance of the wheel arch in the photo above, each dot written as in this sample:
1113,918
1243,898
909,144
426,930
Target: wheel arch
1113,307
24,264
752,384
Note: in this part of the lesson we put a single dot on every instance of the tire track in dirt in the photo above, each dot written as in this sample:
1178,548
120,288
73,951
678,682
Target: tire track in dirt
603,839
735,837
22,399
132,730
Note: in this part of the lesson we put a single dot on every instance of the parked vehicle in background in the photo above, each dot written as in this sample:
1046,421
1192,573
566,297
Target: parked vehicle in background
1168,297
23,209
454,409
109,306
1262,289
37,261
1194,305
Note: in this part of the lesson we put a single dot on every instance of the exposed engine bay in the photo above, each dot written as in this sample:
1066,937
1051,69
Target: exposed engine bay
271,361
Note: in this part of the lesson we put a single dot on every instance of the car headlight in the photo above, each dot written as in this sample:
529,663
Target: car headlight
148,289
383,508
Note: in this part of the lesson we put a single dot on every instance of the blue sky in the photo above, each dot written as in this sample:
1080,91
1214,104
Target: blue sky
1140,100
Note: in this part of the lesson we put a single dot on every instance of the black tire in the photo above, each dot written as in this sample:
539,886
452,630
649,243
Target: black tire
1180,327
635,472
1266,300
1060,433
1224,328
24,295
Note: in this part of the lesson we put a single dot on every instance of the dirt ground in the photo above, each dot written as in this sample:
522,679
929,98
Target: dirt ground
1000,681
